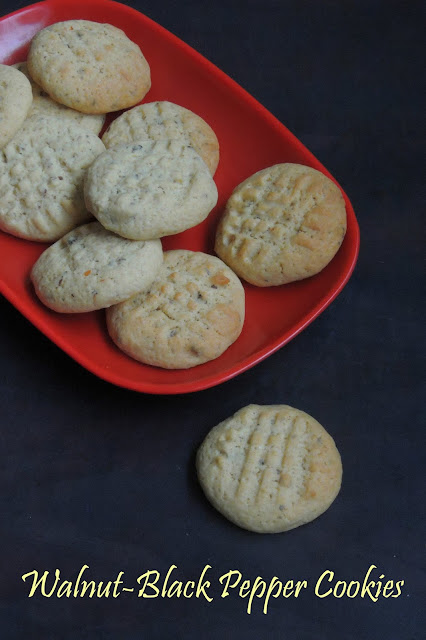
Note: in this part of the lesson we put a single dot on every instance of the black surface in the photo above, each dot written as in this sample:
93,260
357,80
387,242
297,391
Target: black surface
92,474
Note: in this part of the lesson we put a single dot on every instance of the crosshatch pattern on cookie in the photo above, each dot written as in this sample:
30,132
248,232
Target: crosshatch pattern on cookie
41,178
192,312
269,468
165,120
282,224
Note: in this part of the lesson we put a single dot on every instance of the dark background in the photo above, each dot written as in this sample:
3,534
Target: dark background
93,474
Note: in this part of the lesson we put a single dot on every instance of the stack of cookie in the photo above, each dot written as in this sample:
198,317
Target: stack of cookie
150,176
153,177
52,109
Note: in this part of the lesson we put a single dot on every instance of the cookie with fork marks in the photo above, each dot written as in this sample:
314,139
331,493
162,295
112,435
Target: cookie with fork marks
284,223
163,120
192,312
269,468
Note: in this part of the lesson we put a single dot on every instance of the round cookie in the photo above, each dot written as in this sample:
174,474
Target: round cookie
161,121
41,178
282,224
192,313
89,66
269,468
15,102
42,104
149,189
91,268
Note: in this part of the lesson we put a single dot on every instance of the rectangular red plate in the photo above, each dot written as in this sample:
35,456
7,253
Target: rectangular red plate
250,139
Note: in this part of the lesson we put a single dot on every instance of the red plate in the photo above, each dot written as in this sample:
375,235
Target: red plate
250,139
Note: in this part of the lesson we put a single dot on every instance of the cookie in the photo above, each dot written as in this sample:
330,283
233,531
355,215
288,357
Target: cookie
91,268
162,121
88,66
269,468
282,224
192,313
42,104
149,189
15,102
41,178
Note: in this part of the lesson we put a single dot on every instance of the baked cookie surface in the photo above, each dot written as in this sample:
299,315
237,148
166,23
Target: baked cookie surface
192,313
282,224
42,104
41,178
15,102
91,268
165,121
89,66
149,189
269,468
